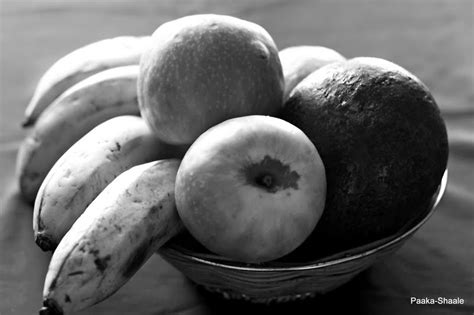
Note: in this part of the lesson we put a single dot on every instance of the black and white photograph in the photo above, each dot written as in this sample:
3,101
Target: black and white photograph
215,157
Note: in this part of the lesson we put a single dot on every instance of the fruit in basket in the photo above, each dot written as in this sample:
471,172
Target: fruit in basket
80,64
251,188
298,62
90,102
383,142
115,236
203,69
87,168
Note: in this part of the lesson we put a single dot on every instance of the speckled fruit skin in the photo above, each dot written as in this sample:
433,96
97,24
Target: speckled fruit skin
251,188
298,62
383,142
203,69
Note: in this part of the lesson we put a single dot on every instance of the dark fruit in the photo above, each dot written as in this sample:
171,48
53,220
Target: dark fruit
383,142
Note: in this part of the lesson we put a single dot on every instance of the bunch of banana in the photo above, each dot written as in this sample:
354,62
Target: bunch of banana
102,183
80,64
127,222
87,168
107,94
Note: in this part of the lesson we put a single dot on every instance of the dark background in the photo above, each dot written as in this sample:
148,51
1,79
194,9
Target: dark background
432,39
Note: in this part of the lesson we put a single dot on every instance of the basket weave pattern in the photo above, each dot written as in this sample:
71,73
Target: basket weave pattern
281,282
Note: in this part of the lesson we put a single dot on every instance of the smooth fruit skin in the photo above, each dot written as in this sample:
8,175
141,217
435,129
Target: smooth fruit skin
298,62
130,219
77,111
383,142
251,188
80,64
87,168
203,69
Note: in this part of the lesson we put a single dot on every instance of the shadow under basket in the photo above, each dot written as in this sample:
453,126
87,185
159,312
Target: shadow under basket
280,281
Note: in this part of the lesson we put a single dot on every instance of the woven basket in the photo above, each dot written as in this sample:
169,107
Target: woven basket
285,281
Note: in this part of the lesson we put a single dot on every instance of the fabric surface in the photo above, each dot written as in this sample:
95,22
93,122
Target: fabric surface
432,39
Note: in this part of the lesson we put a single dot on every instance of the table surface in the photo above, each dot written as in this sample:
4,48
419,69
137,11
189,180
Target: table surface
432,39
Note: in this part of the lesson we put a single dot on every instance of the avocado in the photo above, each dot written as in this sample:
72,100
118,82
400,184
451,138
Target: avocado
384,145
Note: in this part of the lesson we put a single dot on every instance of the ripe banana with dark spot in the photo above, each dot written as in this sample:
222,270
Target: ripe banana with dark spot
87,168
80,64
133,217
90,102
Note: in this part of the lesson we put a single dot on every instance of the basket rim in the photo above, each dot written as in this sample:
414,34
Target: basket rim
322,264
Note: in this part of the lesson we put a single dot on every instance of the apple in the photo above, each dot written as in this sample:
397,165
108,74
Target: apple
298,62
202,69
384,145
251,188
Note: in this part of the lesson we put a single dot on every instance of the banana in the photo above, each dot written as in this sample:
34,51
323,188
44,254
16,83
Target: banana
80,64
133,217
90,102
87,168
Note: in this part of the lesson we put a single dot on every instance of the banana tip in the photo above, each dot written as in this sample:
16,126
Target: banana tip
50,307
27,122
45,242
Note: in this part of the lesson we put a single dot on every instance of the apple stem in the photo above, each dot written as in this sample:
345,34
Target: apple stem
266,181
